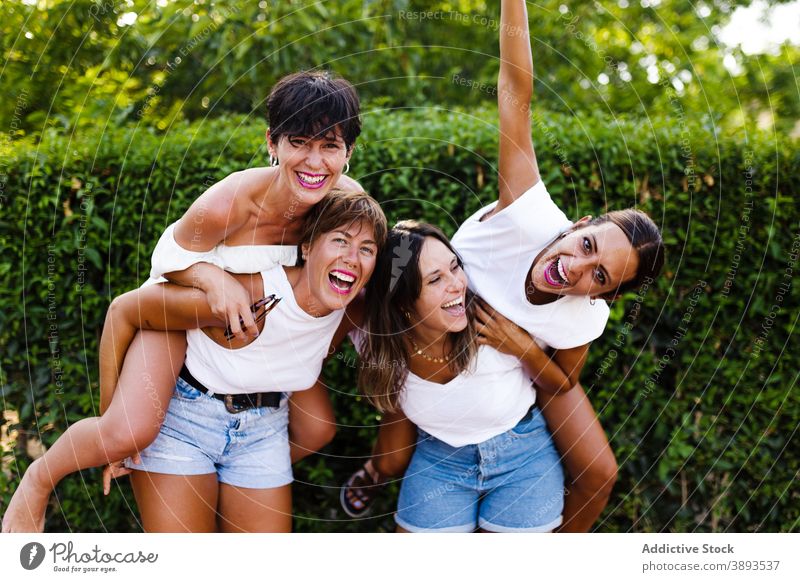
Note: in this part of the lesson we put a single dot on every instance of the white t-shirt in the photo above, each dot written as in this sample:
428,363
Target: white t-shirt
485,400
476,405
498,254
287,355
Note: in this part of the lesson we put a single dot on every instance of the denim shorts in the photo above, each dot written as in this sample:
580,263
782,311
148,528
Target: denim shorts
512,482
247,449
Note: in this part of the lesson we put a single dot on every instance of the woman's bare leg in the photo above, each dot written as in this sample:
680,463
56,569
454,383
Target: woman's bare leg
131,422
586,454
312,424
255,510
394,446
391,455
176,503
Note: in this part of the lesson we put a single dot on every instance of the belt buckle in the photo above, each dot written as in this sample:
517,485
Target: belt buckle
229,405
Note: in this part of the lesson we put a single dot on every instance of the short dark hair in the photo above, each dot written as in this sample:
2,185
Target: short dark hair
338,208
645,237
313,104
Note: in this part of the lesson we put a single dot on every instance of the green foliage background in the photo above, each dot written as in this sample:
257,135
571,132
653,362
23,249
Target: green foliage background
70,63
706,435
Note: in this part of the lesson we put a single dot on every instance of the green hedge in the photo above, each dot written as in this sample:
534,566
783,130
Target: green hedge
694,378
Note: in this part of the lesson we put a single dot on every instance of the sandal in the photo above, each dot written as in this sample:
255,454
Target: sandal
362,487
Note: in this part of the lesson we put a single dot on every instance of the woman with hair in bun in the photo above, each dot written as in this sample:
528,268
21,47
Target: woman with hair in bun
547,280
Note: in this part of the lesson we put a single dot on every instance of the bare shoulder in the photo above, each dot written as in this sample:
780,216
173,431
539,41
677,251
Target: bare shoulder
347,183
244,183
222,209
230,196
252,177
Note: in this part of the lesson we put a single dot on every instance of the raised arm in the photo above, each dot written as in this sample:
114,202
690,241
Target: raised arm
517,166
160,307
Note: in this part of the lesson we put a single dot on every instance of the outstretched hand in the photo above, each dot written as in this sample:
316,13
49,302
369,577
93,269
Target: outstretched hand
115,470
499,332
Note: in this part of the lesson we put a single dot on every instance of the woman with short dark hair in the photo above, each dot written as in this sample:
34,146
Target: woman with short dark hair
222,461
248,222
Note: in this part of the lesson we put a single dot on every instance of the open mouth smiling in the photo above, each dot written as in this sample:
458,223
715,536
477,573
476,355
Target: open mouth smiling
455,307
341,281
555,274
311,181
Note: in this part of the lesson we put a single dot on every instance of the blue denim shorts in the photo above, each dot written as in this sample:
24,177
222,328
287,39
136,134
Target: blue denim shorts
247,449
510,483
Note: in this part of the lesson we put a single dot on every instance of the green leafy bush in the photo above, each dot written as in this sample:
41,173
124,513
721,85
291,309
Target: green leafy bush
694,379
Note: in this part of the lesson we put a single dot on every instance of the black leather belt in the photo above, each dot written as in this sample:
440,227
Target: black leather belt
236,402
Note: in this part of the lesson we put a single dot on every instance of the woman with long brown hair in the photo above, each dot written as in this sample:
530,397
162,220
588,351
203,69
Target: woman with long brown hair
484,459
547,279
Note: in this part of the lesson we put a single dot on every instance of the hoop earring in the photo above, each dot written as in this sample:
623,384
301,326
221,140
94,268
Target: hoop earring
346,168
273,161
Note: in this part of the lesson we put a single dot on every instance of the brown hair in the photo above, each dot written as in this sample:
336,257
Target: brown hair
395,285
340,207
313,104
645,237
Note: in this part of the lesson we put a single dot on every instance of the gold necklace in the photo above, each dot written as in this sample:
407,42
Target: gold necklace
433,359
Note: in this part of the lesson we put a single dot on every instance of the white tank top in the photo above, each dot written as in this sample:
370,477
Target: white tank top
169,256
287,356
484,401
474,406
